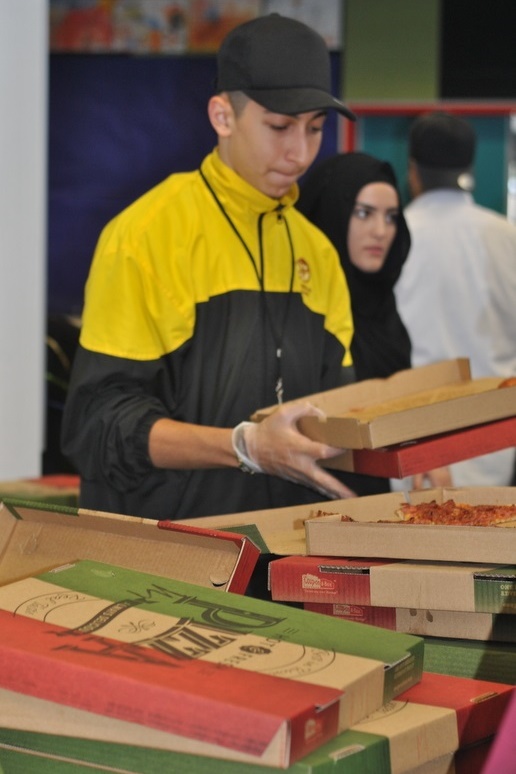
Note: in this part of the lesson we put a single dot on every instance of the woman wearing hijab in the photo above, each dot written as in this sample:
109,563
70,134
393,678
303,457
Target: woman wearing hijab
354,199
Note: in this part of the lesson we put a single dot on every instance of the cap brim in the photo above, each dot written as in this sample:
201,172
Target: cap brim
291,101
441,177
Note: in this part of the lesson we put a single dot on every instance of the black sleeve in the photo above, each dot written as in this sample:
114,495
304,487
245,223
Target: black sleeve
108,414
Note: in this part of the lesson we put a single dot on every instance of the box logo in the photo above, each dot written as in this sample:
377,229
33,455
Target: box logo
314,583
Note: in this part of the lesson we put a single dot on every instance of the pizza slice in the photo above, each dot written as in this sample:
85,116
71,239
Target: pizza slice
460,514
442,514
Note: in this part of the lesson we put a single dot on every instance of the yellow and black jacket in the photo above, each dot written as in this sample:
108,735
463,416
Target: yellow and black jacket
183,318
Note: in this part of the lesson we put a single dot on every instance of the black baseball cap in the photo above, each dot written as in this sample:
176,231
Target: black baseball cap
279,62
443,146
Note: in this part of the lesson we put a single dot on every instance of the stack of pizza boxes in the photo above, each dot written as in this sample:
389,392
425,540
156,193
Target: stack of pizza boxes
438,728
451,584
125,646
119,659
453,581
413,421
441,580
105,666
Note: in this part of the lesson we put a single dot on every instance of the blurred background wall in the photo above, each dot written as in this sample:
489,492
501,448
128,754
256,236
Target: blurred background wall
23,214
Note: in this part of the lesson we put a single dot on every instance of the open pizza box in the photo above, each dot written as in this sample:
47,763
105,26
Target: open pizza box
366,536
279,531
413,421
301,529
36,536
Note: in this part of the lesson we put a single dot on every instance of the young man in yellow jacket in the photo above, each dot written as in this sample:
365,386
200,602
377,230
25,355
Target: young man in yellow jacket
210,297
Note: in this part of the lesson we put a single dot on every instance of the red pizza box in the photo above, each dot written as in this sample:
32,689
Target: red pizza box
35,734
370,666
385,617
407,406
419,737
424,623
322,579
383,583
405,459
228,709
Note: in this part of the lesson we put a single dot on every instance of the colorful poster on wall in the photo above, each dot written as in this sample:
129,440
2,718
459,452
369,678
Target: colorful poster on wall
167,26
209,21
150,26
118,26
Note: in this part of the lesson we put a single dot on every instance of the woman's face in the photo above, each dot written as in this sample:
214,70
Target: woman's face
372,226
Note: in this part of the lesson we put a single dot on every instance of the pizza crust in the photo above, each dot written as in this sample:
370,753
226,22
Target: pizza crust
423,398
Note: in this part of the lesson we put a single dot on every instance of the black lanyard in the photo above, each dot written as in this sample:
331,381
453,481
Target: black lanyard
260,275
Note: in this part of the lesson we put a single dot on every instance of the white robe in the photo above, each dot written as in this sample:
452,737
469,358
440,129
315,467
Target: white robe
457,297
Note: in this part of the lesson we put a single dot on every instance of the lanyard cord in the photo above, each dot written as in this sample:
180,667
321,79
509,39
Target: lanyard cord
260,275
258,272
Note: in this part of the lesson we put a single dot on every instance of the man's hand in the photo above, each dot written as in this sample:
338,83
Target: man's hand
277,446
435,478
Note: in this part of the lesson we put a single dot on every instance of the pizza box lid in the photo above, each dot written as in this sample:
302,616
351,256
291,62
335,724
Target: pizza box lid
407,406
365,537
35,536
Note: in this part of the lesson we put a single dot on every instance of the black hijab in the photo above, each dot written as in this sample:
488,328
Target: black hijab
381,345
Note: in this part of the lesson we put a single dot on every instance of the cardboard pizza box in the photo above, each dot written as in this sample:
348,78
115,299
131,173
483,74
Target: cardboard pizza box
229,709
407,406
461,587
115,641
35,733
37,536
383,583
424,622
70,746
379,664
323,579
284,531
385,617
366,537
405,459
46,728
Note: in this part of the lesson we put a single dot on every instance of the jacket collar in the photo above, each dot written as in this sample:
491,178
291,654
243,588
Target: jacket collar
238,197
